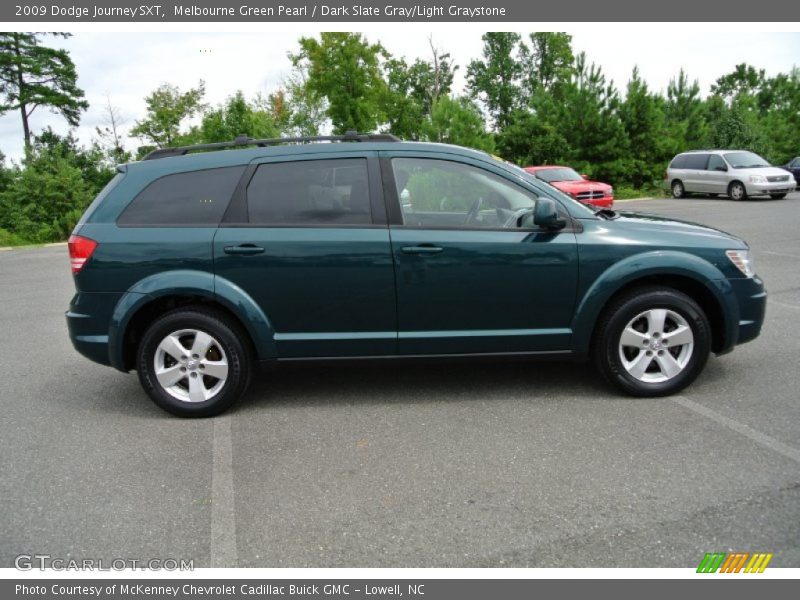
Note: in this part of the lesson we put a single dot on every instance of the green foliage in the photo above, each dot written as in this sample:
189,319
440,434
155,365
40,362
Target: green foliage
9,239
44,199
547,62
345,69
531,140
458,121
495,79
167,109
237,117
642,116
33,75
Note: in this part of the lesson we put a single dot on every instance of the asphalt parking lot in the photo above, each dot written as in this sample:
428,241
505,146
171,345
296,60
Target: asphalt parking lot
426,466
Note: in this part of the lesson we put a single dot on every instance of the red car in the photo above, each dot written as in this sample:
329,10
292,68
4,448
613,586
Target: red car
579,187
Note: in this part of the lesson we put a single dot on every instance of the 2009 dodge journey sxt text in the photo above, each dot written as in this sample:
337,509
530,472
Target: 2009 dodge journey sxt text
191,267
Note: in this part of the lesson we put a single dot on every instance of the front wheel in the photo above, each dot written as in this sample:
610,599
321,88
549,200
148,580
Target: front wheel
737,191
194,362
652,342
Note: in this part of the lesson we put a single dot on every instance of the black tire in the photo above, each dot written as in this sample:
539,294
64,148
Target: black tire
737,191
228,337
777,196
606,348
678,191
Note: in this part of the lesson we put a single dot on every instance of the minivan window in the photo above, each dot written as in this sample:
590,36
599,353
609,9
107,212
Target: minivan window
310,192
745,160
715,163
190,199
696,161
442,193
678,162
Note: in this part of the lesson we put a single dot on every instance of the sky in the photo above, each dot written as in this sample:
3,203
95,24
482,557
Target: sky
126,66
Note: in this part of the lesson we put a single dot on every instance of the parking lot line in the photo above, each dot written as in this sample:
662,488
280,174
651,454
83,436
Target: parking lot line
223,504
753,434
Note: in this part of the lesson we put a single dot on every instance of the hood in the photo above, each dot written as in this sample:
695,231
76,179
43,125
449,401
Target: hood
765,171
579,186
654,226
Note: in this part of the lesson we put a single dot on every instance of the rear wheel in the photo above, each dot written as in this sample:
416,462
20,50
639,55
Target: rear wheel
777,196
652,342
678,191
737,191
194,362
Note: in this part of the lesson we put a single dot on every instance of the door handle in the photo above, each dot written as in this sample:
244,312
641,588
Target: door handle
422,249
244,249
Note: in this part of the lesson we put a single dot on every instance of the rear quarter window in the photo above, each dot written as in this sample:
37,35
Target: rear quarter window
679,162
190,199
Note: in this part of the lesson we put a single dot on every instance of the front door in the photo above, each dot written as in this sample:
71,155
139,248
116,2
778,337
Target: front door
469,280
308,242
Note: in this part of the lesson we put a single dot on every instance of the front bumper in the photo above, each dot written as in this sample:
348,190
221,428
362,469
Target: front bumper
776,187
751,296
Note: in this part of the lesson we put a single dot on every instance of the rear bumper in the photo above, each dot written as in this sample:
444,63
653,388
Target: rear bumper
88,320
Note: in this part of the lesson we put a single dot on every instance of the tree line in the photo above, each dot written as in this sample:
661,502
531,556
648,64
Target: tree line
529,99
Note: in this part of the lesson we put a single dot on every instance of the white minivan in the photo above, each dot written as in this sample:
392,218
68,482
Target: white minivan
734,173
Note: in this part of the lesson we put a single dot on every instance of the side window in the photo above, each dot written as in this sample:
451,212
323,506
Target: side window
796,163
715,163
679,162
441,193
310,192
696,161
194,198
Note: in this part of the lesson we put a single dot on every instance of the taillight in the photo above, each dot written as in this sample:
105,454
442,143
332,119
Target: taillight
80,250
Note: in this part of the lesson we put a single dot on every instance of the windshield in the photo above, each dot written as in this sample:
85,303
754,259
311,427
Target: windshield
745,160
560,174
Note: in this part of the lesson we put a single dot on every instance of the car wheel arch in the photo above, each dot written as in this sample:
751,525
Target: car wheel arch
697,278
172,289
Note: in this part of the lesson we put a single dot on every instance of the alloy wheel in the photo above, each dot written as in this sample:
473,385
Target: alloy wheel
656,345
190,365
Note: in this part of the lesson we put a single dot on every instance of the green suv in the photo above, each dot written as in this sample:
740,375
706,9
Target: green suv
193,266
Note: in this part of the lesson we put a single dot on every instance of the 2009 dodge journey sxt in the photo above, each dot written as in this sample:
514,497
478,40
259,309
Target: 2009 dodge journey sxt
192,267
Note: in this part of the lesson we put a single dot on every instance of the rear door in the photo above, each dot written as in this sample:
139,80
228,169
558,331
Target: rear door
696,174
306,237
469,280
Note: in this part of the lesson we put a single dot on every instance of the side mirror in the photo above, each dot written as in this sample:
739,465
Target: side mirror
545,215
720,168
585,176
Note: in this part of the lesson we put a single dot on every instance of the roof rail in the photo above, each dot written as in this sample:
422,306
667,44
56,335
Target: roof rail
243,140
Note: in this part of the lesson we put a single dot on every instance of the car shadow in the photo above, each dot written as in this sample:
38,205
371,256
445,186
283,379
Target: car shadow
410,383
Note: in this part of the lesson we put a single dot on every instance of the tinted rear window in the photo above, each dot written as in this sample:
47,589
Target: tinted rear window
678,162
689,161
310,192
192,199
696,161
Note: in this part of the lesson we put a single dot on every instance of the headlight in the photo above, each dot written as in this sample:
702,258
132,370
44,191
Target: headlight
758,179
742,260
